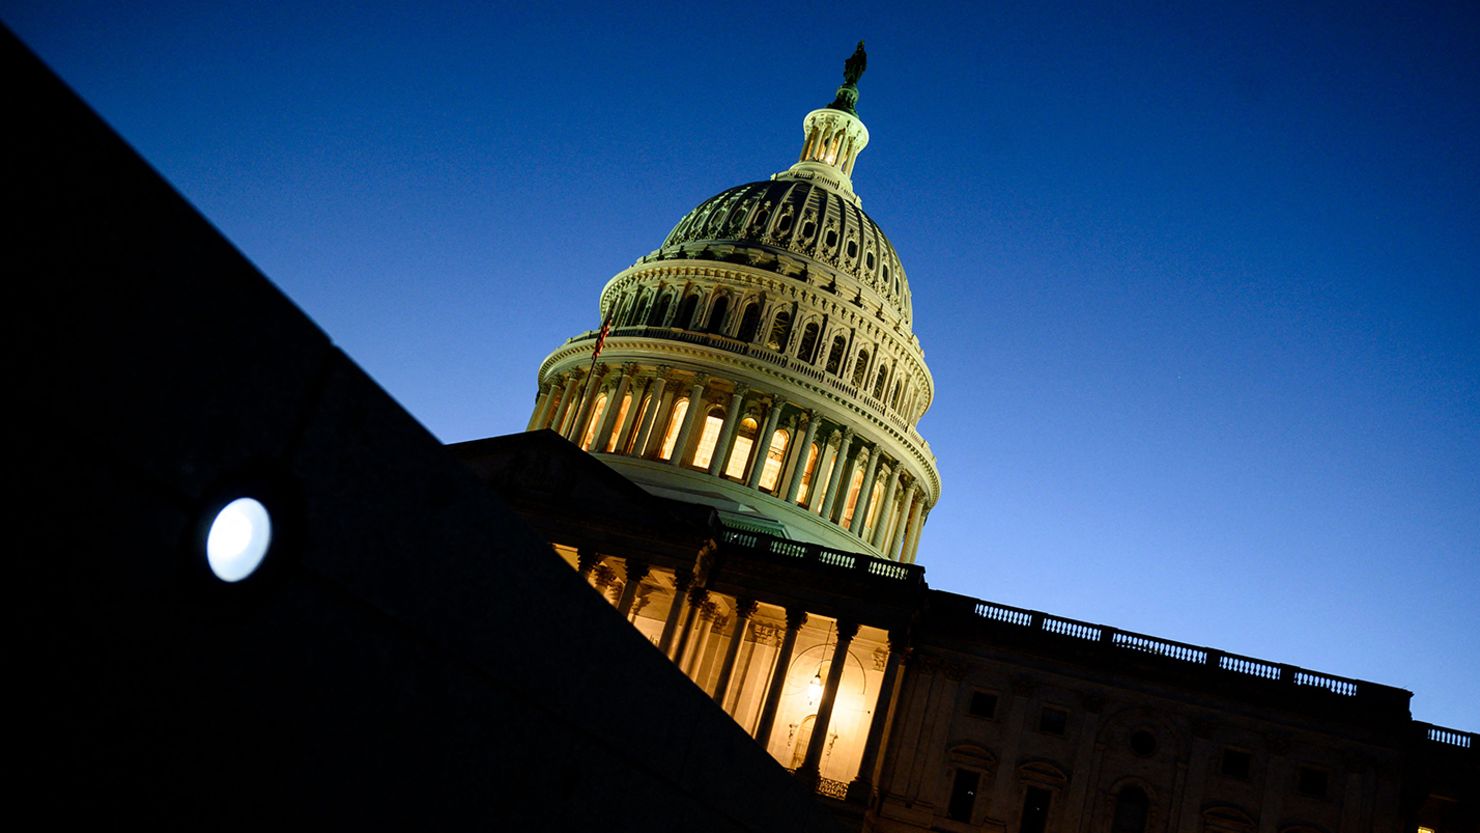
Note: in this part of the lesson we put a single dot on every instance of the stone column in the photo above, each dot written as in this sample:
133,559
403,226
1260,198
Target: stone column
794,621
840,497
744,609
809,770
797,473
886,507
649,419
628,426
760,450
562,412
866,492
837,474
614,404
681,581
542,408
896,541
588,399
862,787
636,571
722,446
695,413
586,561
921,516
697,597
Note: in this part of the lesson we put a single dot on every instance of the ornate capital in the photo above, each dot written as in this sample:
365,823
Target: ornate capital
665,372
795,618
846,629
744,608
635,570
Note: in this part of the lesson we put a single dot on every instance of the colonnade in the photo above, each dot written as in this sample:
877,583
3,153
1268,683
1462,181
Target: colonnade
715,640
649,413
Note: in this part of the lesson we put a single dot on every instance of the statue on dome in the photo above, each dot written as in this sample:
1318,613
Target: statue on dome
855,65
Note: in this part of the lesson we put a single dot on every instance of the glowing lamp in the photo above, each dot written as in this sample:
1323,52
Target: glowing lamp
238,539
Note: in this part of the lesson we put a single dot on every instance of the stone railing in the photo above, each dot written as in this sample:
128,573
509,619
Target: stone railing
817,554
832,789
1450,737
1185,654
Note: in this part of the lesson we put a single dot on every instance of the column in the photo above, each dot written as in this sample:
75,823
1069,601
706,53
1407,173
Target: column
803,450
840,497
629,424
761,449
697,597
722,447
921,515
681,581
794,621
896,541
808,771
542,407
744,609
567,399
588,399
837,474
614,404
866,492
586,561
636,571
696,411
862,787
826,463
655,406
886,508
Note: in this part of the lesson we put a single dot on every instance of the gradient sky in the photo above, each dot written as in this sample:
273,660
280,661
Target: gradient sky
1199,286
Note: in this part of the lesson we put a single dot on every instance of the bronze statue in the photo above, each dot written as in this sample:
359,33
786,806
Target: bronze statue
855,65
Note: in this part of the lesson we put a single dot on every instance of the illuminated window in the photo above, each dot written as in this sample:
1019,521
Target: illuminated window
675,424
611,442
740,452
774,456
713,423
875,502
808,474
238,539
595,421
829,462
855,483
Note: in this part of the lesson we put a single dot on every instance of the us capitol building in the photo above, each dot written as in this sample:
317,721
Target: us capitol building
732,460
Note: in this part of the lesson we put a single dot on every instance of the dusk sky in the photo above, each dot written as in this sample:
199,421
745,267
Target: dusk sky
1200,286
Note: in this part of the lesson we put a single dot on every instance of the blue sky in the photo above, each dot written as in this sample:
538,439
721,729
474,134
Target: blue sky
1198,285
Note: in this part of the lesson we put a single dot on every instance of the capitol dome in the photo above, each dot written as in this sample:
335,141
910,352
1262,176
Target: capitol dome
761,361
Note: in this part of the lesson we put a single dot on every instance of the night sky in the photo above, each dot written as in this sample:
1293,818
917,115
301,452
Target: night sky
1198,286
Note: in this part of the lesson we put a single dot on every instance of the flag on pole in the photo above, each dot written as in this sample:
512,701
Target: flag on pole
606,327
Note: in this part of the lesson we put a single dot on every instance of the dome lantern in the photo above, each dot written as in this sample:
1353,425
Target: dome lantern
834,136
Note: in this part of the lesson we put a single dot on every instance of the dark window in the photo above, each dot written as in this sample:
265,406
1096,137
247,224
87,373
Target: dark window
1312,782
1236,764
807,350
780,331
879,381
983,704
860,369
685,315
852,249
1143,743
835,356
963,795
1131,808
830,239
1035,810
750,321
660,310
717,312
809,228
1053,721
784,224
870,260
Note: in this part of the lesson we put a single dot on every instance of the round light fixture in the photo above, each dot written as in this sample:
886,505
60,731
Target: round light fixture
238,539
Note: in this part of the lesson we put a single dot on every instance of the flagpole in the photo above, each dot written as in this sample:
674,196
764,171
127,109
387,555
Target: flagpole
606,327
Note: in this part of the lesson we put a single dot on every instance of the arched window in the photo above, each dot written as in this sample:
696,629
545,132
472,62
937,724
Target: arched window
1131,809
637,418
835,355
894,400
675,424
685,316
860,369
660,310
597,412
855,485
809,474
775,455
807,350
714,421
717,312
750,321
879,382
740,451
875,505
611,442
780,331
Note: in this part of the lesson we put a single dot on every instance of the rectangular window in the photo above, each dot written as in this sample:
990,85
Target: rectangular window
963,795
1053,721
1312,782
983,704
1035,811
1236,764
